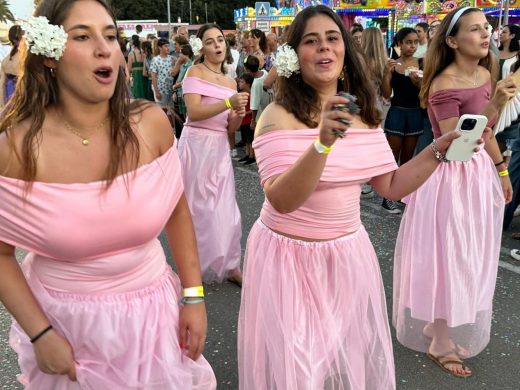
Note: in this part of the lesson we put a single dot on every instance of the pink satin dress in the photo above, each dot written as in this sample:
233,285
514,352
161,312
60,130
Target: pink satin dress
209,184
313,314
447,251
99,272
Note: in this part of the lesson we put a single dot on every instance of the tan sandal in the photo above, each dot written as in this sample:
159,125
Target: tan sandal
443,361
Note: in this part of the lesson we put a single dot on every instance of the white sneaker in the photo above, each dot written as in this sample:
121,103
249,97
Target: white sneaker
367,191
515,254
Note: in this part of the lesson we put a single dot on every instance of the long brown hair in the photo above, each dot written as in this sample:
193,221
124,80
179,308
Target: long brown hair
439,55
36,89
302,100
375,51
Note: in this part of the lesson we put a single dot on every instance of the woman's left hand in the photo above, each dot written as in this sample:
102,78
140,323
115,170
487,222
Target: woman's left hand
193,325
507,188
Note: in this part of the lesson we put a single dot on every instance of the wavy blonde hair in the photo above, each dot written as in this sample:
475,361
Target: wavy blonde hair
375,51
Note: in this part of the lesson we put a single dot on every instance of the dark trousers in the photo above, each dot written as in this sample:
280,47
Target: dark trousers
514,175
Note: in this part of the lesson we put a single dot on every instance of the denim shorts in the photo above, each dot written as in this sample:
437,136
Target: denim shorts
404,121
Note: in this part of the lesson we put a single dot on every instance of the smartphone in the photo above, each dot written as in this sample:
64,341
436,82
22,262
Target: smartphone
471,128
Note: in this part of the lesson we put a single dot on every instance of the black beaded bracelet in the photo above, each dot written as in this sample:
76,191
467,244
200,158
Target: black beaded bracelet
498,163
35,338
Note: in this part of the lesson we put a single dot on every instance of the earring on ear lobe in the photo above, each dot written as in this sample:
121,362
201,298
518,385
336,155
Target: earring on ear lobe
53,72
342,75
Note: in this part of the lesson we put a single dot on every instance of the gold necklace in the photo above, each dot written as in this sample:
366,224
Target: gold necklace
84,140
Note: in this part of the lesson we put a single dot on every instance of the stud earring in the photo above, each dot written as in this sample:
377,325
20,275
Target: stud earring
53,72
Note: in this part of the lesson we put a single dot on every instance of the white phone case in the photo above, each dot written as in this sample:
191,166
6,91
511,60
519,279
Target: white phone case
462,148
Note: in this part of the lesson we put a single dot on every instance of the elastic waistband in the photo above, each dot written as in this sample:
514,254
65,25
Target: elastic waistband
325,242
189,129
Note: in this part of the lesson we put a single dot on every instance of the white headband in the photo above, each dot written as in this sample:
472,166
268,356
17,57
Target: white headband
455,19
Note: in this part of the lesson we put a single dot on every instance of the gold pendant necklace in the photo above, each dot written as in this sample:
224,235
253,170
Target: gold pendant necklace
84,140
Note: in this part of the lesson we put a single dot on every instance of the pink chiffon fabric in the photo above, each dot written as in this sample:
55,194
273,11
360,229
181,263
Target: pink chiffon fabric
100,275
313,314
209,184
447,251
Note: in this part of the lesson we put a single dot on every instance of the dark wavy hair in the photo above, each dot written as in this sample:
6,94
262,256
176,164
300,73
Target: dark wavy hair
263,39
37,89
514,45
303,101
200,34
440,55
15,36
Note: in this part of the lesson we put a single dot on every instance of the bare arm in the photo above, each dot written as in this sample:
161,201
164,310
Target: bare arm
386,86
53,353
155,86
270,78
410,176
288,191
181,237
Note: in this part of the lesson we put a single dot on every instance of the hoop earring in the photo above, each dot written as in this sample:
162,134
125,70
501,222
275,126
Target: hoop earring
53,72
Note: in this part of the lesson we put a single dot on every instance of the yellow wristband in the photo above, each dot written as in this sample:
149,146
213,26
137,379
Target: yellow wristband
503,173
320,148
193,292
228,103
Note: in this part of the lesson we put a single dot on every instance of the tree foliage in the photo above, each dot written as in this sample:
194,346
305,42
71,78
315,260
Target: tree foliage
5,12
219,11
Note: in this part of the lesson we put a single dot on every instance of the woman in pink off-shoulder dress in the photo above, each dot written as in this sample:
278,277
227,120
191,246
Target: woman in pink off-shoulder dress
313,312
214,108
88,181
447,251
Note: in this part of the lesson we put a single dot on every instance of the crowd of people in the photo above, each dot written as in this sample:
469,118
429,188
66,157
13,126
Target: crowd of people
104,144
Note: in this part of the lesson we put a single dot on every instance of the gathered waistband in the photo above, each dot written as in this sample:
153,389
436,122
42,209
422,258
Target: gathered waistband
280,236
189,129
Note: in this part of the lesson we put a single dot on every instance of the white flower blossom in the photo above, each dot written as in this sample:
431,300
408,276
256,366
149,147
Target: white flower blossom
196,45
286,61
43,38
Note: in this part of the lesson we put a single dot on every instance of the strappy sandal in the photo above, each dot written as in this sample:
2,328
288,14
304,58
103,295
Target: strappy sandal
443,361
460,351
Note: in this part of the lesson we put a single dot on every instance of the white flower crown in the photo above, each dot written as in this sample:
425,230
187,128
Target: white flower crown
286,61
43,38
196,45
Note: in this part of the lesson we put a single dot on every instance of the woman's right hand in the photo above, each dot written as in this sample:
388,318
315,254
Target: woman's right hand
330,120
239,100
390,66
54,355
504,90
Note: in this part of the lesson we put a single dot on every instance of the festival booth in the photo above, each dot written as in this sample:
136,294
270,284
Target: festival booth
275,18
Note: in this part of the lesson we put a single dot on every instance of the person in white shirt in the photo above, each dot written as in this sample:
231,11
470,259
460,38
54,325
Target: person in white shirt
259,97
422,31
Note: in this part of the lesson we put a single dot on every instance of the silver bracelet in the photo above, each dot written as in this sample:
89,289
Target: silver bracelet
437,154
192,300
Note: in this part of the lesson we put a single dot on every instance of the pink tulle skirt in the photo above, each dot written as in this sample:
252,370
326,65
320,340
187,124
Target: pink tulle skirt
446,256
313,315
209,186
121,341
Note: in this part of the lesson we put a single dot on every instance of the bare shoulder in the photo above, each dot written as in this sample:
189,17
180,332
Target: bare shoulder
194,71
441,82
276,117
153,128
10,149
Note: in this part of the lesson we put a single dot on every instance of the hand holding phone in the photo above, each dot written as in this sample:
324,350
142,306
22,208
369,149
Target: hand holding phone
471,128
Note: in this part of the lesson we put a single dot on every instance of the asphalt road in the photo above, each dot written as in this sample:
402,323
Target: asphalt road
497,367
